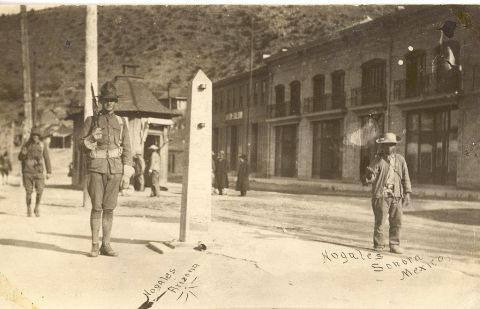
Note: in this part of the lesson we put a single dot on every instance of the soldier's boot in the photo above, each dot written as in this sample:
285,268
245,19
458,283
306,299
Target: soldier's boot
95,250
107,222
95,222
29,202
37,204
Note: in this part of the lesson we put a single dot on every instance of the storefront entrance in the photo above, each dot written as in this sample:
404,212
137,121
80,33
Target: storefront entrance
327,157
432,145
286,151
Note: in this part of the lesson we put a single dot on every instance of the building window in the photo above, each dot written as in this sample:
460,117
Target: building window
432,145
295,97
229,100
240,96
338,89
215,103
373,81
415,71
222,94
279,101
234,98
264,92
319,102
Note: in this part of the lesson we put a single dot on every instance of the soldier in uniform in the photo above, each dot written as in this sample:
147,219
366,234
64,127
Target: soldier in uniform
105,140
32,155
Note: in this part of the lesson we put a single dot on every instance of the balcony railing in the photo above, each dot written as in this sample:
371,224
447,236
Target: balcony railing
427,85
368,95
317,104
283,109
338,100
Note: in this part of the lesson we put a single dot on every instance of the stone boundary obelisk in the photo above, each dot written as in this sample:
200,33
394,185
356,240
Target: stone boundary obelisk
197,175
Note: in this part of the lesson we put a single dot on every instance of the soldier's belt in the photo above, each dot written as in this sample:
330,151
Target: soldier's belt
103,154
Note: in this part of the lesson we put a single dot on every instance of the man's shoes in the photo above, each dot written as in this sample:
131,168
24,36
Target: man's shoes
29,212
107,250
94,251
396,249
37,211
378,248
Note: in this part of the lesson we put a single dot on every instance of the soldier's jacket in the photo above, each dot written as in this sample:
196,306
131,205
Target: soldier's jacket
32,161
111,140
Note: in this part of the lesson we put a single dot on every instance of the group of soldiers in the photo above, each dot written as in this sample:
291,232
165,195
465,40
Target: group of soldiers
105,140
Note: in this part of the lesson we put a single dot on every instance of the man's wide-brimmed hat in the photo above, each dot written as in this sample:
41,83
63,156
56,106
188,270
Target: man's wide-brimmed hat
389,138
154,147
108,92
36,131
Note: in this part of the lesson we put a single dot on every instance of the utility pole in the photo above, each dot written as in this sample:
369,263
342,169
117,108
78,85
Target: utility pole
27,90
250,99
34,89
169,98
91,78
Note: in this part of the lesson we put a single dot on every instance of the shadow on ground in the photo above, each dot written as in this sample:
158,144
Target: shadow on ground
117,240
64,186
37,245
159,219
60,205
465,216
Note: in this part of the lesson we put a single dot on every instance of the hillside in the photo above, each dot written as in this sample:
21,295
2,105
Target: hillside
168,42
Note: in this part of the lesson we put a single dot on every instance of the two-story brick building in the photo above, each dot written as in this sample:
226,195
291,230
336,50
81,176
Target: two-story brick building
330,99
231,113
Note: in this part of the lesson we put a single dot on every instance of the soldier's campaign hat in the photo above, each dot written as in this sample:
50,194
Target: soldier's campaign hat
36,131
108,92
389,138
154,147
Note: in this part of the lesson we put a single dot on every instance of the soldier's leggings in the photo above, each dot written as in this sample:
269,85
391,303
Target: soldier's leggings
103,190
31,181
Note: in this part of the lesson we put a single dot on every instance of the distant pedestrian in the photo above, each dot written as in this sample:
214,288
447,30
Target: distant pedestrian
391,190
70,169
33,154
221,176
106,141
213,173
242,176
154,170
138,178
5,167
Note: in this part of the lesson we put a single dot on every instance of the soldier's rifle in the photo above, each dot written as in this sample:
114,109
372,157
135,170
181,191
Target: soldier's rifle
95,108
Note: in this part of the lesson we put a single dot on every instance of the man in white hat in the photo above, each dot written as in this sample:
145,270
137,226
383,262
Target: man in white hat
391,190
154,170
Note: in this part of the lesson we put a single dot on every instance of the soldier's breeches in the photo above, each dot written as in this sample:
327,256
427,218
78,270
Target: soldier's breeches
31,181
103,190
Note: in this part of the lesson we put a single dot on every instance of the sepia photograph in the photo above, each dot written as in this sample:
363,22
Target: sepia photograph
259,155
